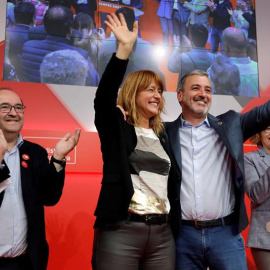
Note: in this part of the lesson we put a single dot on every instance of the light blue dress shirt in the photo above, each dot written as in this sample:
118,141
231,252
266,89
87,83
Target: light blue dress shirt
206,189
13,220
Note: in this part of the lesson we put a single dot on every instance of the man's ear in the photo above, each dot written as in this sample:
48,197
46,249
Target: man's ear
180,96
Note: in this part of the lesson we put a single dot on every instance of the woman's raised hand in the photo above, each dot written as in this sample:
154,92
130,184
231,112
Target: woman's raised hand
125,38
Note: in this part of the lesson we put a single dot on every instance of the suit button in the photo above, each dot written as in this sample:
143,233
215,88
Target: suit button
176,199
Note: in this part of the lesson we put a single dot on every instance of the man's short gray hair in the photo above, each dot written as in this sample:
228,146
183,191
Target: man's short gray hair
181,83
64,67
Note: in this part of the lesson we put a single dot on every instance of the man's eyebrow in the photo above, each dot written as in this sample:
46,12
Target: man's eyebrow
197,84
6,103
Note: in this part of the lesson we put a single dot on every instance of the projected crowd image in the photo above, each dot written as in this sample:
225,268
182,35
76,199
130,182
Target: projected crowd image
67,42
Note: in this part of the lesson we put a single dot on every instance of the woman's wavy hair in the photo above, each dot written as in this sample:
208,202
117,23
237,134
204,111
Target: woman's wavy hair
135,82
256,139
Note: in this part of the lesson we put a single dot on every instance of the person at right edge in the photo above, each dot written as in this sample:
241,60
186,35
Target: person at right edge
257,168
138,198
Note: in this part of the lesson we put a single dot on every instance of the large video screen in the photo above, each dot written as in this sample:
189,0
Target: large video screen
66,42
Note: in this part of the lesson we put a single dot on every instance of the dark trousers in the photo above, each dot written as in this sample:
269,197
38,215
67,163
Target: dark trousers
167,30
261,258
216,39
179,26
17,263
133,246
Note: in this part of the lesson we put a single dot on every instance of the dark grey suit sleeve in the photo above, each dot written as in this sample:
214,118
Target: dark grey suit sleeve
255,120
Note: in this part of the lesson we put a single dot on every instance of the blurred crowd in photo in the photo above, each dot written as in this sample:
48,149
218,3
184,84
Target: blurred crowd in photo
67,41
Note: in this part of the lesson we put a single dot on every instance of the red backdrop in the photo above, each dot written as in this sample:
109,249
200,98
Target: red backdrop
69,224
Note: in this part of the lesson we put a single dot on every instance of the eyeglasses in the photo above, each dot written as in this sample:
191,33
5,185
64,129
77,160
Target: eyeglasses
6,108
267,130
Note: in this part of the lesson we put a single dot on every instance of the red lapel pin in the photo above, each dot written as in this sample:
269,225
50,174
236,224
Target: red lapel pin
24,164
25,157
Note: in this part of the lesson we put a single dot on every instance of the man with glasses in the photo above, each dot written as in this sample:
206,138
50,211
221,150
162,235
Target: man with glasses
27,182
209,154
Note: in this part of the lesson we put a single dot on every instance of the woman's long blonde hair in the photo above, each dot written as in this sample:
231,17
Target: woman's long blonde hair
256,139
135,82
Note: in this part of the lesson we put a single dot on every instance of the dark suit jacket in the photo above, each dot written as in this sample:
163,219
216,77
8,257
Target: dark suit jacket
233,129
118,140
41,185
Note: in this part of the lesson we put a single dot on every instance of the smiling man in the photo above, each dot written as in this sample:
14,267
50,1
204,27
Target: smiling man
27,182
209,154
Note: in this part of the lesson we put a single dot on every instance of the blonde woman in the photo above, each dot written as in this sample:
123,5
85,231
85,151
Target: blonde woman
138,199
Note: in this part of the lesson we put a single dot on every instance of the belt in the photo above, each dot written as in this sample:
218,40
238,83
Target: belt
201,224
20,259
152,219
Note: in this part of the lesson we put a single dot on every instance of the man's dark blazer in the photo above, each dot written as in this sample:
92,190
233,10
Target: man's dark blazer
118,141
233,129
41,185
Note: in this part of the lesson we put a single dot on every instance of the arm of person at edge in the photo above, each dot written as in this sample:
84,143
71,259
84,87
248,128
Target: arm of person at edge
255,120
